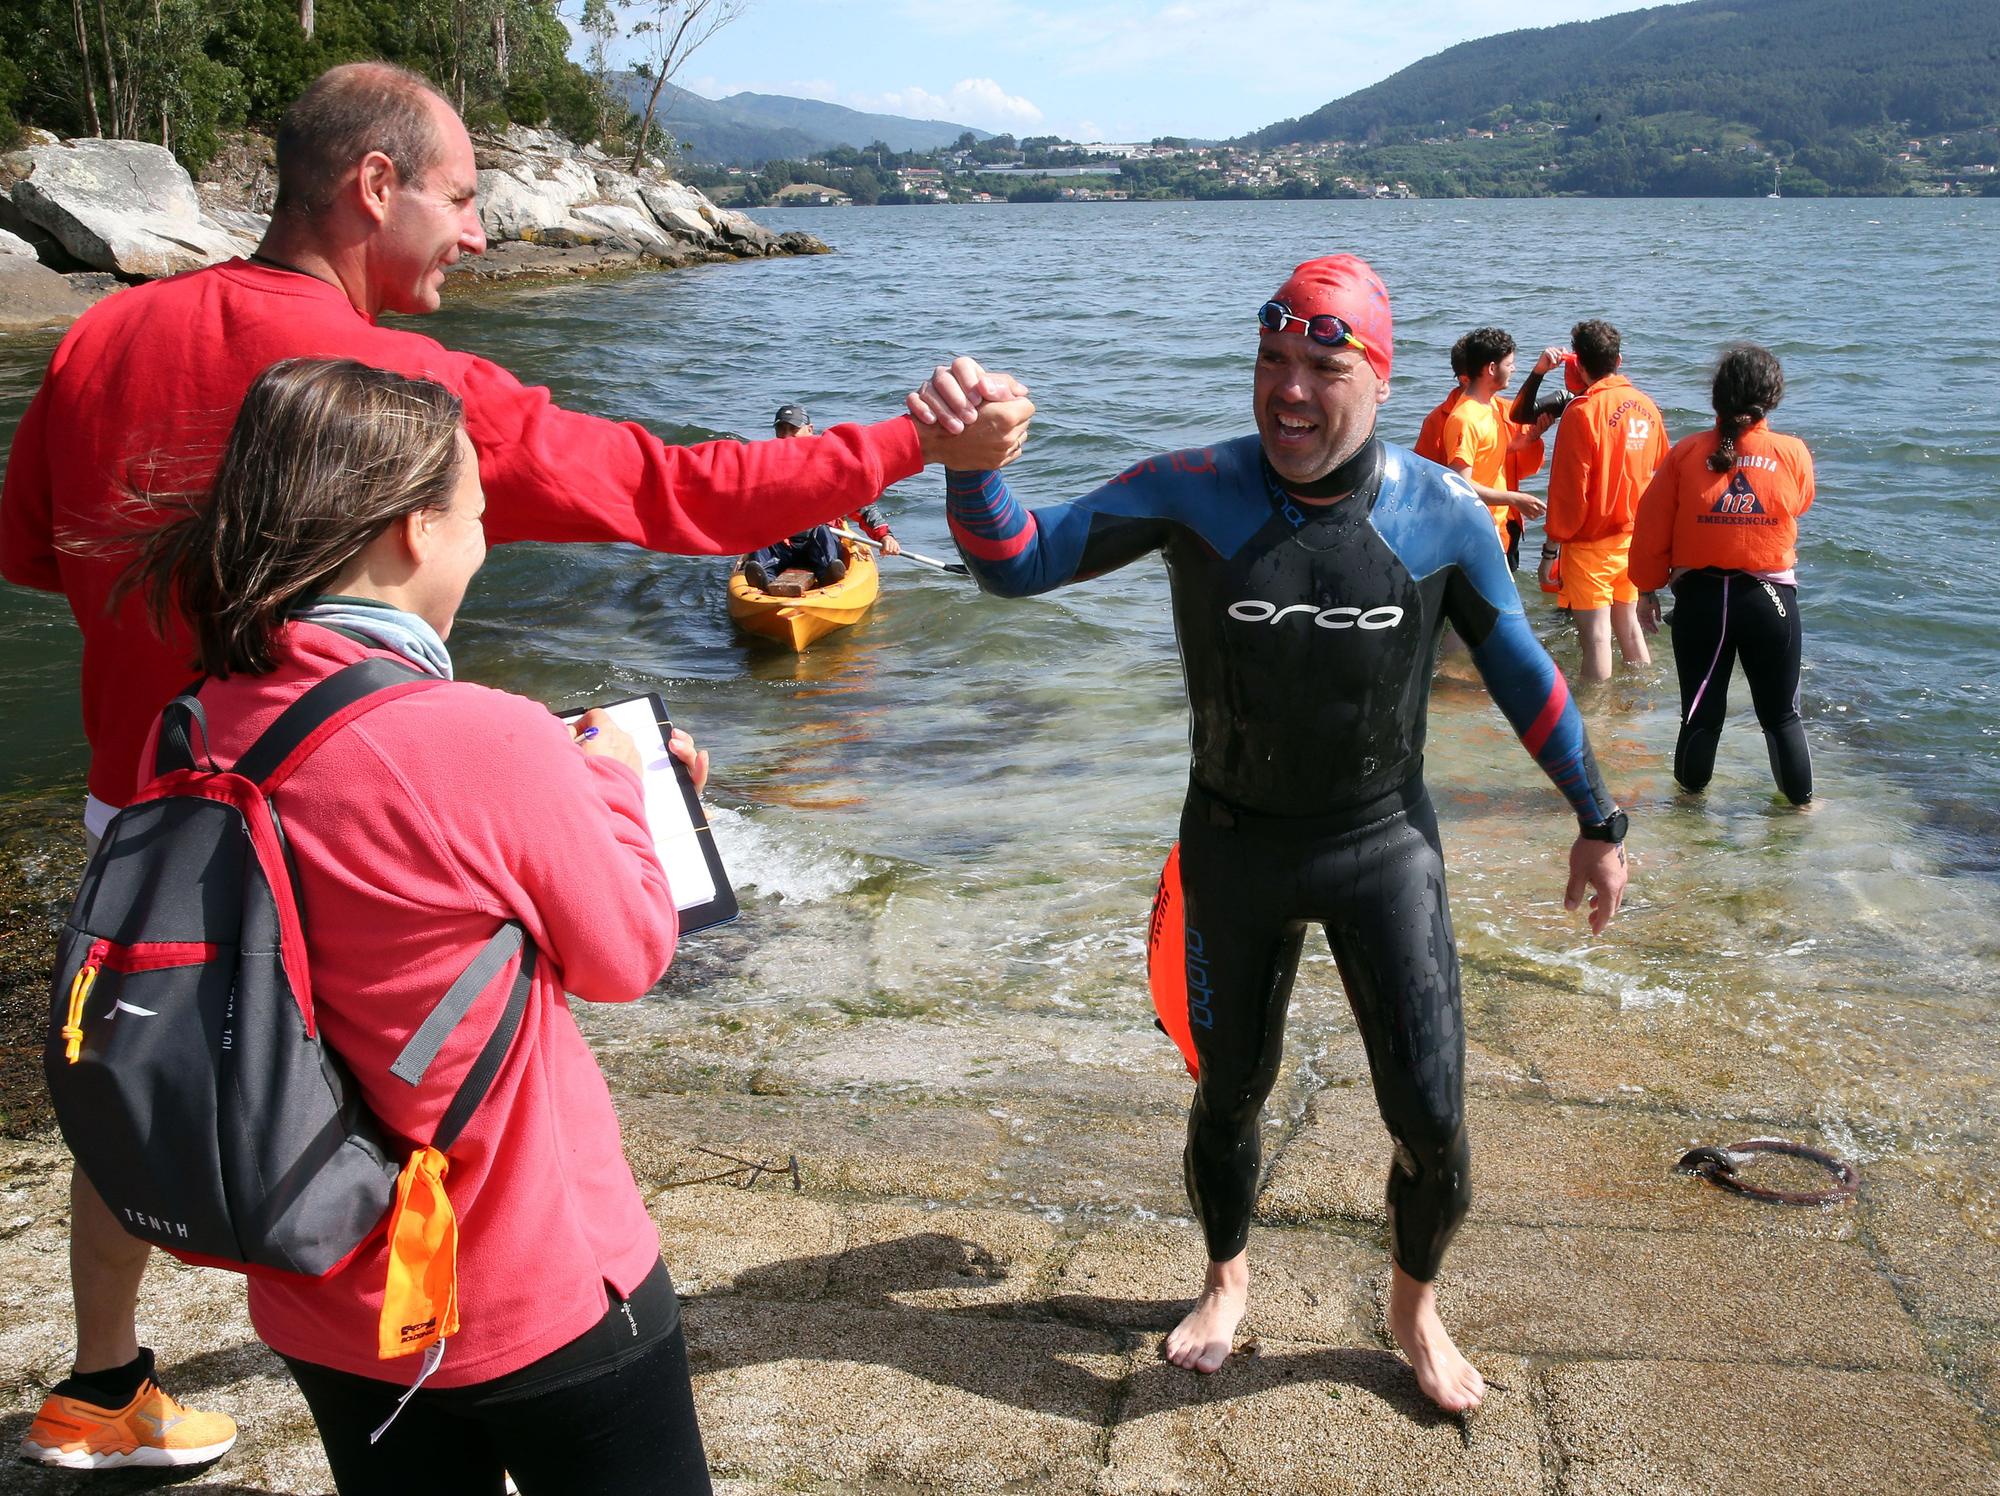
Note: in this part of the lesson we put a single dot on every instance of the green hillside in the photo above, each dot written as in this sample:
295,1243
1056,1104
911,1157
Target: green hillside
751,128
1687,98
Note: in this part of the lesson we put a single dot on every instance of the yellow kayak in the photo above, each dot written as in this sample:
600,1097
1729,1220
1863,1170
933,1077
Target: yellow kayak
796,622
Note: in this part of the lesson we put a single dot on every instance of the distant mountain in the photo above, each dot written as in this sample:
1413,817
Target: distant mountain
748,128
1833,76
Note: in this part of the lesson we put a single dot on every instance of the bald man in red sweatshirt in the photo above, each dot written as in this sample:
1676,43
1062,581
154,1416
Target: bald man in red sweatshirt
376,200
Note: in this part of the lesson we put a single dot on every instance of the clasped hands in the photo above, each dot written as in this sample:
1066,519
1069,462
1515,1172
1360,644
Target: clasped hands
968,419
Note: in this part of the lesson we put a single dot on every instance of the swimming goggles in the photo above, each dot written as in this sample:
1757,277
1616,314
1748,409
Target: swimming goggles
1325,329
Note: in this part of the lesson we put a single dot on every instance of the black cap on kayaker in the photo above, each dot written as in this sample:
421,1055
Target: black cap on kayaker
791,415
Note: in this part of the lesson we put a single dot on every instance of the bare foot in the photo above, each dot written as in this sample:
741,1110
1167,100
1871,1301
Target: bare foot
1446,1377
1201,1342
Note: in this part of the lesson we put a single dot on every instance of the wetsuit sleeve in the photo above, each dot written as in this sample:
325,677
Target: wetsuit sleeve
1523,412
1524,463
1017,552
27,506
1481,601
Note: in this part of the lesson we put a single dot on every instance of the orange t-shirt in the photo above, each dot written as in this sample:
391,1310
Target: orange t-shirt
1746,519
1473,435
1607,445
1430,436
1479,434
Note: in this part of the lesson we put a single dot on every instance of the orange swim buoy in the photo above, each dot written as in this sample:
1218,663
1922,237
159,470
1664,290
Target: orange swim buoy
1166,960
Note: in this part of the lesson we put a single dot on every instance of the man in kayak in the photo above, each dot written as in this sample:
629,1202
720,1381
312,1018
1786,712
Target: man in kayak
377,198
815,550
1313,568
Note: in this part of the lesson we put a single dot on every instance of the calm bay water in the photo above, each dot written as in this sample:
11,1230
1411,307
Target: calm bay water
957,808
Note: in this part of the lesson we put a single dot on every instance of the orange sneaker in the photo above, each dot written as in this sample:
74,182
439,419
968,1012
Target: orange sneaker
152,1429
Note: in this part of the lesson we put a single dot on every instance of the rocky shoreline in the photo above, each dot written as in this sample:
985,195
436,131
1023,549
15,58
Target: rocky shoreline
81,218
963,1287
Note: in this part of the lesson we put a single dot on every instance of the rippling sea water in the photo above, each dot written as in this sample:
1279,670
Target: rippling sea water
958,808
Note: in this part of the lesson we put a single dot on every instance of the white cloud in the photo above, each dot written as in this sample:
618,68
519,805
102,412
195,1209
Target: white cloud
970,101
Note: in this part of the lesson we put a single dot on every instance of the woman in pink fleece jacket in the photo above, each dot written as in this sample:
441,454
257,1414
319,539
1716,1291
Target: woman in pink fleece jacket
345,522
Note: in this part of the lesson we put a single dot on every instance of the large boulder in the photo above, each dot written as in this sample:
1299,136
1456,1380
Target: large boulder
124,206
32,295
743,235
48,249
14,244
627,226
680,210
519,202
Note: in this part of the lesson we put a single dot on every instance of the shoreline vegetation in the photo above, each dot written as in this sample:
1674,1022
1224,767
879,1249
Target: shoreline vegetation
1490,159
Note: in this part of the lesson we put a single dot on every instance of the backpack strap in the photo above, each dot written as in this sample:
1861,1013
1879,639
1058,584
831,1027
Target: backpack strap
424,1044
322,711
174,749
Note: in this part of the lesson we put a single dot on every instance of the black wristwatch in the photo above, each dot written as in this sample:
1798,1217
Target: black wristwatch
1610,829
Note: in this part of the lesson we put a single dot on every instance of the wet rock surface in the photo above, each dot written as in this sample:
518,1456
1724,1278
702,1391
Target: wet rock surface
80,218
964,1283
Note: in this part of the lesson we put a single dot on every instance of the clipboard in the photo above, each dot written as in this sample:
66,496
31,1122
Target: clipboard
681,834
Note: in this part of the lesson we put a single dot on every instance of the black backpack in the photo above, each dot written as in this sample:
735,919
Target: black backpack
182,1057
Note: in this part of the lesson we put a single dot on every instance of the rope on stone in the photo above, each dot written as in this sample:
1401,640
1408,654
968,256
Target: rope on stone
1718,1166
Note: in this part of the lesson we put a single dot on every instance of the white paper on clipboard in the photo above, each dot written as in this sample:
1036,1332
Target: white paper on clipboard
681,835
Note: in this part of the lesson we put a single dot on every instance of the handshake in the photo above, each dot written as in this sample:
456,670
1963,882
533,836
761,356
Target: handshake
970,420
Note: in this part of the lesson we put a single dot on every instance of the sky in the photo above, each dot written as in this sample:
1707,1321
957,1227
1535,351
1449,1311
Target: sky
1089,70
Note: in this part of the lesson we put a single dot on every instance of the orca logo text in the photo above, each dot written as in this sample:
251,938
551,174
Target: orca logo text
1255,610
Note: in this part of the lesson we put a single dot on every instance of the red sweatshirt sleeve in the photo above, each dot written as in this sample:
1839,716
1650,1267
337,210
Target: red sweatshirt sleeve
27,504
558,840
555,474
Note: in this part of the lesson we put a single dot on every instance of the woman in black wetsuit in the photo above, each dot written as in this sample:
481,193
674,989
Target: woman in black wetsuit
1720,520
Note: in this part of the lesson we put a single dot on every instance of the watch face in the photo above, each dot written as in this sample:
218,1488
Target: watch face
1610,829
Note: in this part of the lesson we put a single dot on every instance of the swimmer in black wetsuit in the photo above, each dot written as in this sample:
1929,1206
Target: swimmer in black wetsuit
1313,569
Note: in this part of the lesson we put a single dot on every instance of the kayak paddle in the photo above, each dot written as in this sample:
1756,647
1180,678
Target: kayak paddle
955,568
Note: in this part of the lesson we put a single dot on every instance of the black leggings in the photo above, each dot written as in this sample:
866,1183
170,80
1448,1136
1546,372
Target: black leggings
582,1421
1719,618
1249,886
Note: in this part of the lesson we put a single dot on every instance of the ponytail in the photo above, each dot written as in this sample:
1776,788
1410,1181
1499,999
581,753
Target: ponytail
1749,383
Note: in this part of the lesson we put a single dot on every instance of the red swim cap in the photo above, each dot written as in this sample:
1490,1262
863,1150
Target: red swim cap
1345,287
1574,379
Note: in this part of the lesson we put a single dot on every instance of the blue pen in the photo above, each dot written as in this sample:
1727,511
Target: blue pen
586,735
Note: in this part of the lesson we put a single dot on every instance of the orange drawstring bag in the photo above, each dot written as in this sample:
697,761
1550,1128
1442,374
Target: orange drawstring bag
420,1301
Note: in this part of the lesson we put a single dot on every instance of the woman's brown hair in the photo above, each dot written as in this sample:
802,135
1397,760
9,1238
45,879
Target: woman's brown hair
325,455
1749,383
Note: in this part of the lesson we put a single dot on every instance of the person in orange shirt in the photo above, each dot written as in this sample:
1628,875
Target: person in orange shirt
1610,441
1720,520
1430,436
1485,448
